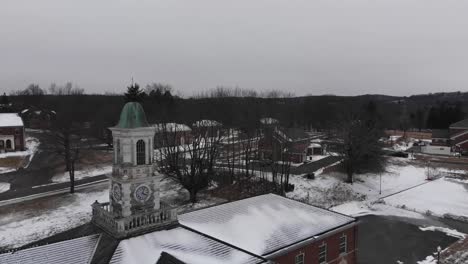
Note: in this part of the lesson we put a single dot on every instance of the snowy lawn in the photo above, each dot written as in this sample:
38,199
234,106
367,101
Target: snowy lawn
24,223
328,190
81,174
442,196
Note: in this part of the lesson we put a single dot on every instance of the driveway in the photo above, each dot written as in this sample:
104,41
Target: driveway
388,239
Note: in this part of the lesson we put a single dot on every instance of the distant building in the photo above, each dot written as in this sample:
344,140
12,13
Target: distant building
440,137
284,144
171,134
37,118
11,132
208,128
459,135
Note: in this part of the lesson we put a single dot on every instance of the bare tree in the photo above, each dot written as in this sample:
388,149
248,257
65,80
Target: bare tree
67,89
191,164
66,142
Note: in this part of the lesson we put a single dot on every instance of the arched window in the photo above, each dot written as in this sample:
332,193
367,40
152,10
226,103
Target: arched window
140,152
2,144
8,144
118,154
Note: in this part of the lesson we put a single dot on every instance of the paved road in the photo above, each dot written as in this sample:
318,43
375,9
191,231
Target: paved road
388,239
20,195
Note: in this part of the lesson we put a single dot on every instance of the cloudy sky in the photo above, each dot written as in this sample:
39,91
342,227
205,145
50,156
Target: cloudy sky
345,47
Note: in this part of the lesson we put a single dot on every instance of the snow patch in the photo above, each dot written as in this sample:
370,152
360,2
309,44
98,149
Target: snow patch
447,231
428,260
31,145
4,186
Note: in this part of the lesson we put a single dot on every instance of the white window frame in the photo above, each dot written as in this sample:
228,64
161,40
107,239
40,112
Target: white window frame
326,249
345,244
299,261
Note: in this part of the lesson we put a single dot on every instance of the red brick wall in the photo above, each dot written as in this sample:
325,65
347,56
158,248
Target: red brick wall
18,133
311,251
455,141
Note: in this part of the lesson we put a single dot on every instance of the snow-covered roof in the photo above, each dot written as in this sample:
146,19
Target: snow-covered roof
171,127
10,120
207,123
181,243
315,145
73,251
269,121
263,224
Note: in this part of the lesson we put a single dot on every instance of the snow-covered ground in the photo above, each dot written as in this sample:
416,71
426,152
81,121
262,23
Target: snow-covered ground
81,174
6,170
409,193
39,219
32,145
441,196
4,186
329,189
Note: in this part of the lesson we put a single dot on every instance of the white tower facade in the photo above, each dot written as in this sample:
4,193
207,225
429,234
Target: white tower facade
134,203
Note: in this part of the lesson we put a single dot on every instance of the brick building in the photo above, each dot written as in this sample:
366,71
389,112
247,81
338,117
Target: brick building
11,132
459,135
172,134
284,144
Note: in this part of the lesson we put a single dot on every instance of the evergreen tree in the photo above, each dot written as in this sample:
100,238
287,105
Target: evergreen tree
4,100
134,93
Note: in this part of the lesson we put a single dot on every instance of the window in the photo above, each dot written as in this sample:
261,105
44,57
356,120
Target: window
140,151
299,259
323,253
118,159
8,144
2,144
343,244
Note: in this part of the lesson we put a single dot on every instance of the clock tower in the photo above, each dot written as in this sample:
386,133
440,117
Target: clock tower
134,203
134,184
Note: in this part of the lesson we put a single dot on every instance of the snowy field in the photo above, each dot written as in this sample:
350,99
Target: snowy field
410,194
329,190
81,174
24,223
439,197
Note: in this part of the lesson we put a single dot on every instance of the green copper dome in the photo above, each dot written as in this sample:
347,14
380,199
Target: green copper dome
132,116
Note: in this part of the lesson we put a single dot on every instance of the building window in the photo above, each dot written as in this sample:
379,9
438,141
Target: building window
343,244
323,253
140,151
8,144
299,259
2,144
118,158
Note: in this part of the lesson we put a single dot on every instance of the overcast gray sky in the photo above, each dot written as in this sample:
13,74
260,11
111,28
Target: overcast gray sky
344,47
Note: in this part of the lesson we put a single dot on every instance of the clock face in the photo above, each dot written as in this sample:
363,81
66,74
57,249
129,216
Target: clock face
142,193
116,192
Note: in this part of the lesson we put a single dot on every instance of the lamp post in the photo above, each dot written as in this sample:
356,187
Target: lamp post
438,254
380,190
